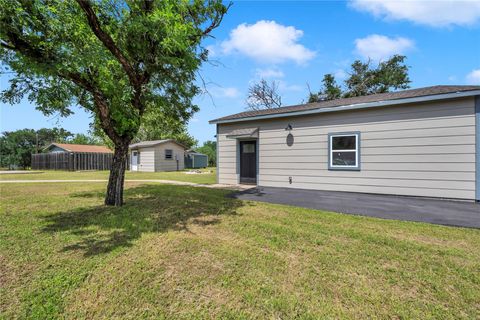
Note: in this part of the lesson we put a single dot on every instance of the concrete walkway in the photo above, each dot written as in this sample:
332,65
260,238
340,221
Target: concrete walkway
437,211
19,172
179,183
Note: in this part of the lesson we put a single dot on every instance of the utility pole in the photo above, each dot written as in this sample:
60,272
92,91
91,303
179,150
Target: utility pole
36,142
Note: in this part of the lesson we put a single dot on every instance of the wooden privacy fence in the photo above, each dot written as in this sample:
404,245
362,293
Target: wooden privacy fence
72,161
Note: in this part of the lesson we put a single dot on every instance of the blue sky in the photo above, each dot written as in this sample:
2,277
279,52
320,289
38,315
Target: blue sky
296,42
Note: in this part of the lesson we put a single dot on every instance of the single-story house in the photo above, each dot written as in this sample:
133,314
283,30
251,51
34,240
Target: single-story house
195,160
157,155
78,148
72,157
419,142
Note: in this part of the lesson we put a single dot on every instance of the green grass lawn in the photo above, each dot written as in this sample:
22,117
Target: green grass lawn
182,252
205,178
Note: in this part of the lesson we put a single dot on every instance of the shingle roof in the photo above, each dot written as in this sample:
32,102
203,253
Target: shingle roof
81,148
144,144
390,96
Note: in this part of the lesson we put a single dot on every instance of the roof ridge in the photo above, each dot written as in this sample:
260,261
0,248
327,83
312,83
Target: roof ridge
386,96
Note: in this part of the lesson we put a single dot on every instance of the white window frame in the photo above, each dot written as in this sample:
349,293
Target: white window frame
331,166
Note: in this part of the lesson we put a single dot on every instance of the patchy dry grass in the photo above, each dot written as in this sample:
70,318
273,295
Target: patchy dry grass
182,252
208,177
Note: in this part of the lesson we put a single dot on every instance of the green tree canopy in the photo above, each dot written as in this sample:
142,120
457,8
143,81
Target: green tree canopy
210,149
16,147
156,126
116,59
331,90
365,79
81,138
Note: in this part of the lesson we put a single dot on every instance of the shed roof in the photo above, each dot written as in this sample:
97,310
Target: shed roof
80,148
381,99
146,144
195,153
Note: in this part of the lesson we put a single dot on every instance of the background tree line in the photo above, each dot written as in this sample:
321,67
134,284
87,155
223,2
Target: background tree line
364,78
16,147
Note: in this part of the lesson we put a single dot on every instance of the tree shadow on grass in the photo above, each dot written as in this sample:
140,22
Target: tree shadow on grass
148,208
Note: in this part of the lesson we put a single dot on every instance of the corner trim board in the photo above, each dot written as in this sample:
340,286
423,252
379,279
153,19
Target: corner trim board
477,148
218,159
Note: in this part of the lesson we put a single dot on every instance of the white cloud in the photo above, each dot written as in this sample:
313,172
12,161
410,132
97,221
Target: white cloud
269,73
268,41
378,47
432,13
340,74
229,92
474,77
284,86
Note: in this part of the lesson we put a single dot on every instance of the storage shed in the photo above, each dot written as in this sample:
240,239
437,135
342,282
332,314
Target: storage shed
195,160
157,155
418,142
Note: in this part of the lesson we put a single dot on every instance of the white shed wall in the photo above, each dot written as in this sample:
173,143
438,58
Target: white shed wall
162,164
152,159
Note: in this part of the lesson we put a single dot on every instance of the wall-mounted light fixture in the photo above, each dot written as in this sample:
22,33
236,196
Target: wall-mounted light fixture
289,127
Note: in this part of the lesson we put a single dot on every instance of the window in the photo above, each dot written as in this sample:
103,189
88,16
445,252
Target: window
168,154
344,151
248,148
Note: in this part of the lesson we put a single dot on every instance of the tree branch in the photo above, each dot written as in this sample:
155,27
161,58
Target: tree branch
6,45
216,21
107,40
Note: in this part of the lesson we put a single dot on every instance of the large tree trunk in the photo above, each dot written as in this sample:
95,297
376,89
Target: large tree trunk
114,195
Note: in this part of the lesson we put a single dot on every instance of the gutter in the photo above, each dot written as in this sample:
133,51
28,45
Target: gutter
357,106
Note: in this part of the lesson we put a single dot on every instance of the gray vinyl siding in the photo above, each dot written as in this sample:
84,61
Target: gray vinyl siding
147,160
152,159
424,149
162,164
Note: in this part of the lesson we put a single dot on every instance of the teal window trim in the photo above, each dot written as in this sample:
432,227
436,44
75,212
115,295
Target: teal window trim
358,153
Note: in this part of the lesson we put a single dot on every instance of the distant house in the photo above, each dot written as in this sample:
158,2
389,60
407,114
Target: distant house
78,148
157,155
195,160
73,157
419,142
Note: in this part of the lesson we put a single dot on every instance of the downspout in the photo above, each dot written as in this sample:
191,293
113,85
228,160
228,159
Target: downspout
477,148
